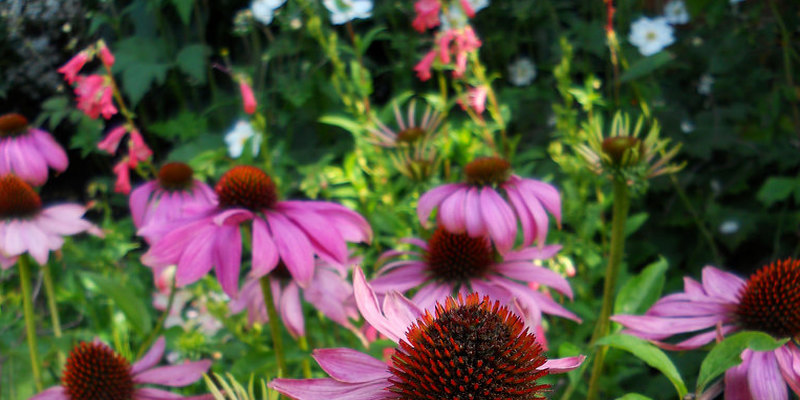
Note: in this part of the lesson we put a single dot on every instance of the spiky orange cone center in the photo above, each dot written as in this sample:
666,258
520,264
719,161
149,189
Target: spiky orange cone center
17,198
13,125
248,187
175,176
770,302
457,257
487,171
95,372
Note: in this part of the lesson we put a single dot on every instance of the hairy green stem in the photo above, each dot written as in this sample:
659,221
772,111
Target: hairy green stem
302,341
49,288
30,325
620,214
159,324
274,324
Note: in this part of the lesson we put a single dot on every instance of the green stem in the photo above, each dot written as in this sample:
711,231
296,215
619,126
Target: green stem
49,288
30,326
159,324
274,324
302,341
620,214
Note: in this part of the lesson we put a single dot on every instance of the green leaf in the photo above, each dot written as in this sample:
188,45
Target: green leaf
641,291
650,354
727,354
646,65
343,122
192,60
635,222
184,127
634,396
776,189
142,62
137,81
131,304
184,8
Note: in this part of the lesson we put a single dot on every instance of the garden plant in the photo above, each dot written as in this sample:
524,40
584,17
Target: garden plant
399,199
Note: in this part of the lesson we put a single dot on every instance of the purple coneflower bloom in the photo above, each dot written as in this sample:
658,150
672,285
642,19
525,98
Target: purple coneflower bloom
478,208
27,152
165,199
288,231
95,371
26,227
329,291
455,262
472,346
769,302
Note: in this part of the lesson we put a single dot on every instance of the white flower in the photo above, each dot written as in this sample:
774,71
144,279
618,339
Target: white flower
456,17
650,35
704,86
263,10
522,72
343,11
729,227
675,12
478,5
687,126
238,136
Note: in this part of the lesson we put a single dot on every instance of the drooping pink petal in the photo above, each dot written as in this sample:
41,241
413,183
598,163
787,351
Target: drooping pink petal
327,242
411,275
50,150
330,389
433,198
535,209
14,244
36,242
367,304
527,272
53,393
146,393
764,377
452,214
472,207
736,387
532,253
197,257
523,215
496,292
789,365
151,358
427,296
667,326
561,365
292,311
548,195
721,284
399,310
138,202
351,366
350,224
293,246
693,342
331,294
174,375
227,254
498,218
265,253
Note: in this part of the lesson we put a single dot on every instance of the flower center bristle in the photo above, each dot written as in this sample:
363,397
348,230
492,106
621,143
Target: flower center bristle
485,171
457,257
12,125
95,372
410,135
770,302
175,176
623,150
472,349
17,198
248,187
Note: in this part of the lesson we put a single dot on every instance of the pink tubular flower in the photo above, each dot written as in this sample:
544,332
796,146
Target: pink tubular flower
26,227
74,65
427,14
329,292
468,8
478,207
137,148
477,98
451,263
166,199
95,96
724,303
482,346
423,68
248,98
110,143
94,371
28,152
454,41
288,231
123,172
105,55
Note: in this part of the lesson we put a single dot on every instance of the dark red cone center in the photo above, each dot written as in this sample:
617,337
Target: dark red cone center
17,198
13,125
623,150
95,372
770,302
410,135
471,349
487,171
175,176
457,257
248,187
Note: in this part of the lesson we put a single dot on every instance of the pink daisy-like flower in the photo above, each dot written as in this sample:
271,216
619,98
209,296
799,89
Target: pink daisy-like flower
480,347
28,152
289,231
455,262
166,198
94,371
769,302
329,291
95,96
26,227
478,208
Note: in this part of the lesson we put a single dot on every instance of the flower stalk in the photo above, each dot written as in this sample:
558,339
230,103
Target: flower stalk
49,288
30,325
619,216
159,324
274,324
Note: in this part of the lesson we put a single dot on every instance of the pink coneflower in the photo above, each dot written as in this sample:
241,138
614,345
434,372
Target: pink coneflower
95,96
329,291
478,208
26,227
455,262
472,346
769,302
95,371
288,231
166,198
27,152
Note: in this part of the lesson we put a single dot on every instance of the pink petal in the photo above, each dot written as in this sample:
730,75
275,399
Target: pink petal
327,242
233,216
433,198
410,275
498,218
400,311
721,284
786,362
293,246
158,394
764,377
527,272
532,253
535,209
351,366
523,215
196,258
472,208
50,150
427,297
736,387
151,358
13,245
350,224
332,294
265,253
496,292
174,375
227,253
452,214
367,304
547,194
36,242
292,311
329,389
561,365
138,202
664,327
53,393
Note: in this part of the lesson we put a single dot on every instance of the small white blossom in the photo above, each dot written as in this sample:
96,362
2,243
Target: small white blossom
238,136
687,126
456,18
478,5
704,86
263,10
343,11
651,35
522,72
729,227
675,12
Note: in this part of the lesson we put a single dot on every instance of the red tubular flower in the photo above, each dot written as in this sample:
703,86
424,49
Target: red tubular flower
248,99
73,66
95,96
427,14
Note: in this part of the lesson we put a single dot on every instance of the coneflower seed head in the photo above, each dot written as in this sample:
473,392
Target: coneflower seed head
175,176
248,187
770,302
95,372
17,198
487,171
